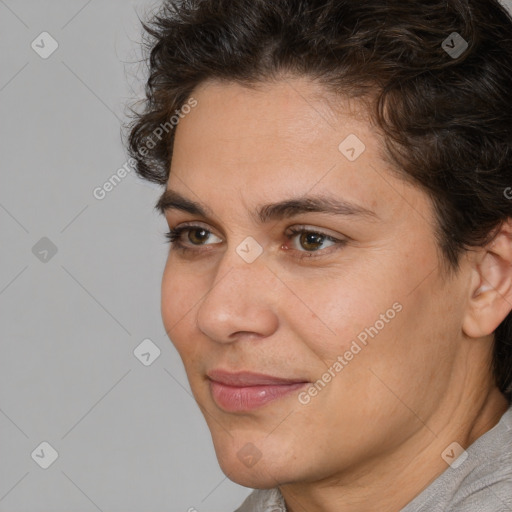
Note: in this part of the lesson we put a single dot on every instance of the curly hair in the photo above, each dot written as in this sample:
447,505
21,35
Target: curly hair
446,115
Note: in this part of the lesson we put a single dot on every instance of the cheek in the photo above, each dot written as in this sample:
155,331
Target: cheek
178,298
385,316
330,313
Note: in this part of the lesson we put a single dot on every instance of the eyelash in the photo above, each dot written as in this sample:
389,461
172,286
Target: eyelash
173,237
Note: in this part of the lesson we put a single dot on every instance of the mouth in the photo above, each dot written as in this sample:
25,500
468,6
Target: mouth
245,391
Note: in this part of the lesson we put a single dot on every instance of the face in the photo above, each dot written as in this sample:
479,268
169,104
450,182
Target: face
303,332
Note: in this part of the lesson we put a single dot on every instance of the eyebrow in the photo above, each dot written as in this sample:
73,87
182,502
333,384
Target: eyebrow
171,199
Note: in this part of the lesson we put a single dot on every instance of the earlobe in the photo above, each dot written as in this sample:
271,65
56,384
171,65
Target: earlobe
490,298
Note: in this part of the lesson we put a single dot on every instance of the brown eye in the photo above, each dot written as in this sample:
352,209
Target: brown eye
308,243
198,235
311,241
187,237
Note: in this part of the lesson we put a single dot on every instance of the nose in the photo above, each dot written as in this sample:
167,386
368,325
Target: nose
241,302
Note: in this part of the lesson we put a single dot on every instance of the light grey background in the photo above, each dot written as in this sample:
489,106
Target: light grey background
129,437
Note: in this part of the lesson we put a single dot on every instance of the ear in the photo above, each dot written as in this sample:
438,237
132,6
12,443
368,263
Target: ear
490,298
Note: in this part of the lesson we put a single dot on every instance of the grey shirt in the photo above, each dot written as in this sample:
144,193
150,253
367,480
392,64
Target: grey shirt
482,482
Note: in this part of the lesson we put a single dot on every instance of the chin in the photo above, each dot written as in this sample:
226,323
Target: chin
244,463
256,477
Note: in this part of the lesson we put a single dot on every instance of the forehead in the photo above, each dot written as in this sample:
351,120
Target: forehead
278,140
280,128
291,109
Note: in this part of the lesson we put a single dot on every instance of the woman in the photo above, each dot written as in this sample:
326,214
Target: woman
339,282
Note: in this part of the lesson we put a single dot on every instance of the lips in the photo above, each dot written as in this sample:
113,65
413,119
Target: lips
245,379
245,391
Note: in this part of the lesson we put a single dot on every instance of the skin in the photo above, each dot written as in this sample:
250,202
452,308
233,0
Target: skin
376,431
